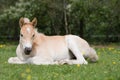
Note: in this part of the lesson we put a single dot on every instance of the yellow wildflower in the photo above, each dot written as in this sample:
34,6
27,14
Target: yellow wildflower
114,62
29,77
2,45
78,65
110,48
28,70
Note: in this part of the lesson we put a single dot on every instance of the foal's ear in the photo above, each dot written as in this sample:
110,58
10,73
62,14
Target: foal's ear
21,22
34,22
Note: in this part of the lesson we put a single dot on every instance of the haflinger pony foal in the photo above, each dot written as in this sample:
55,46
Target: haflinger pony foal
39,49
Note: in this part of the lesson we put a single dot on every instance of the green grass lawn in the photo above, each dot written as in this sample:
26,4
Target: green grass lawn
107,68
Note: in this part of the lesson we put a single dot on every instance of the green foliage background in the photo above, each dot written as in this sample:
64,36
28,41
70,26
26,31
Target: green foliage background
94,20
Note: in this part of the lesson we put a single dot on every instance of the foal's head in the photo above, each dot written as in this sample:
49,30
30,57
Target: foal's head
27,34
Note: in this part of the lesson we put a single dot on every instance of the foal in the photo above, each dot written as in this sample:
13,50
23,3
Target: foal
37,48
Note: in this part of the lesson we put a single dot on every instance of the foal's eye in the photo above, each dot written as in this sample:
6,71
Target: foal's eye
21,35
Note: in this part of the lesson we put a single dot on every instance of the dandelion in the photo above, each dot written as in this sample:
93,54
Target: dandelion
98,53
28,70
1,45
29,77
114,62
110,48
78,65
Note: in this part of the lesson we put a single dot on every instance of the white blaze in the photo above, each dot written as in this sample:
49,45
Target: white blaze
28,45
28,30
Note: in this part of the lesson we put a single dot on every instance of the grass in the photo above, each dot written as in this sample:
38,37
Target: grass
107,68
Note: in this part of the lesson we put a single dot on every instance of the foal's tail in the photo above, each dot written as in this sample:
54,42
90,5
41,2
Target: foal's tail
93,57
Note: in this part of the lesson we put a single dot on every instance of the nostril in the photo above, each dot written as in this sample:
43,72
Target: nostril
28,50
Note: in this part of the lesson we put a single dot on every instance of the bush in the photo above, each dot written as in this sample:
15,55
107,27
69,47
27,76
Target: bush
93,20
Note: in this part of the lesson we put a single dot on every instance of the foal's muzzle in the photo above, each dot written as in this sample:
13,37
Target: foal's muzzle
27,50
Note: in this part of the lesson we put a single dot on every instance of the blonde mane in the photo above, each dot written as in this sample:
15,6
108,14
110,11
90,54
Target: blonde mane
26,20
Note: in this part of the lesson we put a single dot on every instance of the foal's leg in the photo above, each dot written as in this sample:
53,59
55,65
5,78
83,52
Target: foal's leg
68,61
15,60
38,60
72,45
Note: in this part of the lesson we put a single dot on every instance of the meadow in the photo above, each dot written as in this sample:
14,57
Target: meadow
107,68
